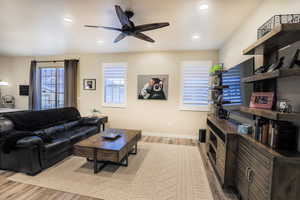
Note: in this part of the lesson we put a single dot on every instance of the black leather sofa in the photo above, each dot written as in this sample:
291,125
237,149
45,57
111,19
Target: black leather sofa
51,135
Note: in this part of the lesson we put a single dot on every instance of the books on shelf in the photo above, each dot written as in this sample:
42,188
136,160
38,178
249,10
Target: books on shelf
280,135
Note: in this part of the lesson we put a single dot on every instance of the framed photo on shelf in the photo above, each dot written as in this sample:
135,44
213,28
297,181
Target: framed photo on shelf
89,84
262,100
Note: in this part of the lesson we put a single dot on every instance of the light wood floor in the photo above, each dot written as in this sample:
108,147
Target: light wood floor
10,190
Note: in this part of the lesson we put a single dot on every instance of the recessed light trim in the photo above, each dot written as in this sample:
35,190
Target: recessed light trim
203,7
195,37
69,20
100,41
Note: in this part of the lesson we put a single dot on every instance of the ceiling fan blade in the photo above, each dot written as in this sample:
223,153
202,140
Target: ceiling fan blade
143,37
149,27
105,27
121,36
122,17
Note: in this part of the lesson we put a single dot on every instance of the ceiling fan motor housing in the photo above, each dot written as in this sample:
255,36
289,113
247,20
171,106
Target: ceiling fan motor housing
129,14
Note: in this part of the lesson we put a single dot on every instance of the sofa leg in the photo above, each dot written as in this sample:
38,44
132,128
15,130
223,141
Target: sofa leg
33,173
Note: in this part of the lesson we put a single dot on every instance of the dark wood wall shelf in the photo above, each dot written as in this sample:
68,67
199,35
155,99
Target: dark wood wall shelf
280,73
281,36
221,87
270,114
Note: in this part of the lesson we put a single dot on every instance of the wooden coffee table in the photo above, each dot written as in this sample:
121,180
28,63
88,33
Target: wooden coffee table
106,151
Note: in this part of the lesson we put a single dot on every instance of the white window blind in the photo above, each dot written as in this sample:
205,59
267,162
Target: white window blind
195,84
114,77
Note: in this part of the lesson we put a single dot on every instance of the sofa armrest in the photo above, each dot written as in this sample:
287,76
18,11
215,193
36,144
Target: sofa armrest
91,121
29,142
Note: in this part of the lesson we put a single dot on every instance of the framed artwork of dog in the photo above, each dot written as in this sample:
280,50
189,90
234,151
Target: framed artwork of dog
153,87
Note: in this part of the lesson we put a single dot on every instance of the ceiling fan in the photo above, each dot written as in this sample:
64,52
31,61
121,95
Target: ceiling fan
128,27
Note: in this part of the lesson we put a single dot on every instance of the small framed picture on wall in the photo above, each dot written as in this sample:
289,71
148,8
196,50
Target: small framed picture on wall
89,84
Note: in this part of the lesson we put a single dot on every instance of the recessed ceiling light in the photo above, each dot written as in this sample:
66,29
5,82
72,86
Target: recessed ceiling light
195,37
66,19
203,7
100,41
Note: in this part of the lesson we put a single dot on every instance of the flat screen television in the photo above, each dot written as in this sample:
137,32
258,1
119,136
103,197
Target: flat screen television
238,93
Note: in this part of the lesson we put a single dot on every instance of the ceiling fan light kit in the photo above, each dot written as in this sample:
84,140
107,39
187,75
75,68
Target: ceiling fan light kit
129,28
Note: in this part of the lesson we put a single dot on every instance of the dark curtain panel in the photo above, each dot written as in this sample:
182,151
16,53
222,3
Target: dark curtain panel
34,103
71,83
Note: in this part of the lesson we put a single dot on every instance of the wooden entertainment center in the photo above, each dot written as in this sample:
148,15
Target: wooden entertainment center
254,170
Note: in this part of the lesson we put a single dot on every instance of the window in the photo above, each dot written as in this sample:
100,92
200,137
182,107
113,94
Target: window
114,77
232,78
194,85
51,87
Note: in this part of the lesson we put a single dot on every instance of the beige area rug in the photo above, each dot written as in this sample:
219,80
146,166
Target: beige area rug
157,172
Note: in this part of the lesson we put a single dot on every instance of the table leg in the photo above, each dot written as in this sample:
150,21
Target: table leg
134,150
125,161
95,162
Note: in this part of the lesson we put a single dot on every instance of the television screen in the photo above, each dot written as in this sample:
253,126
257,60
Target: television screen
238,93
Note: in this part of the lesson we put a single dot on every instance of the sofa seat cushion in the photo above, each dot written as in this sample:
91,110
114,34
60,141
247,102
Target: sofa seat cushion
78,137
56,147
79,133
41,133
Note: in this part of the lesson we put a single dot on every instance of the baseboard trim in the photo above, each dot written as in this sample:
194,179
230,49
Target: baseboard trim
169,135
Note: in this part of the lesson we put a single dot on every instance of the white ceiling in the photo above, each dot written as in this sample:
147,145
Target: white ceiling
37,27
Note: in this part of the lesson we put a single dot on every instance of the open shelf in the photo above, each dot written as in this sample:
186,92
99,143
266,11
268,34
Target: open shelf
213,146
281,36
270,114
217,73
213,141
280,73
212,154
222,103
221,87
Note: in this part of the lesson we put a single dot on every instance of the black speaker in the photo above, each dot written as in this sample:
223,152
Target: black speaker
202,135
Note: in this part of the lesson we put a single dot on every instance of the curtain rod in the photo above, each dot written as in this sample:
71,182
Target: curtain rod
54,61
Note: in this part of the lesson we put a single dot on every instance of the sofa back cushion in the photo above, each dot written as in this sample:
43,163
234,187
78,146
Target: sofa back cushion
36,120
53,131
71,125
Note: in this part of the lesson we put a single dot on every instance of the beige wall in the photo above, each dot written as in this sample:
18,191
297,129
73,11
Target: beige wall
246,34
161,117
5,67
